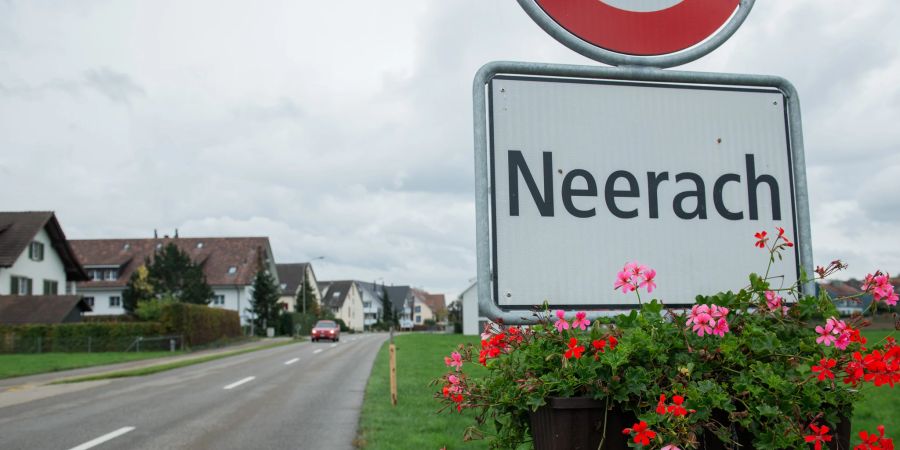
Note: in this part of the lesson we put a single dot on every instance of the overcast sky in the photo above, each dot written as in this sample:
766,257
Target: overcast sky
344,129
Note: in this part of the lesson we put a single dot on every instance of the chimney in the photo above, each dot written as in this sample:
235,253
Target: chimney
155,234
176,233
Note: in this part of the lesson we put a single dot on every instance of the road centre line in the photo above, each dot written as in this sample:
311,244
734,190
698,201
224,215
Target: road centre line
239,382
318,350
104,438
289,362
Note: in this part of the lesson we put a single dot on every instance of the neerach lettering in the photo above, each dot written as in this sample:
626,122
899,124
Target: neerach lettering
695,187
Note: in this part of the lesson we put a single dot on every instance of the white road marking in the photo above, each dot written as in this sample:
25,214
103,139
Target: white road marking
104,438
287,363
238,383
333,345
318,350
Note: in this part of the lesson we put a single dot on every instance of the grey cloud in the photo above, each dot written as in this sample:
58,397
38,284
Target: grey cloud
116,86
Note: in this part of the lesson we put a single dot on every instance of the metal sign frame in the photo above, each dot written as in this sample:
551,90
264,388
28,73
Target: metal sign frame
621,59
487,304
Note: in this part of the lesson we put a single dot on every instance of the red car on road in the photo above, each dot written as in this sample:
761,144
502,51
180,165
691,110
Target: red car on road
326,329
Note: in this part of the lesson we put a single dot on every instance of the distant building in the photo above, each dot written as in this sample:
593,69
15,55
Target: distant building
344,300
229,264
402,300
473,322
373,302
35,256
291,277
840,291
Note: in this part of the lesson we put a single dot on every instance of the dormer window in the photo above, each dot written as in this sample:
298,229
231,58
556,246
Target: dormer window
159,246
232,270
112,275
36,251
337,294
199,245
126,247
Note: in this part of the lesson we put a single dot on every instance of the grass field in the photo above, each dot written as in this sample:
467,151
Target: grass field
415,424
28,364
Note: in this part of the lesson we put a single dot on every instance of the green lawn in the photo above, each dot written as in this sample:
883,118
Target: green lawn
879,406
415,424
28,364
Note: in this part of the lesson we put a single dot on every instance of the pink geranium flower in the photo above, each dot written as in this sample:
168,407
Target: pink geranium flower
773,301
623,281
721,327
649,282
454,360
561,323
825,334
580,321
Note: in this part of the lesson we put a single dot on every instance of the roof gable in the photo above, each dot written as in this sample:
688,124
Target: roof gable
291,276
22,309
18,229
336,293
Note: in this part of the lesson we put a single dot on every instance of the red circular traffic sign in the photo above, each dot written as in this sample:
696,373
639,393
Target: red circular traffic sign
641,27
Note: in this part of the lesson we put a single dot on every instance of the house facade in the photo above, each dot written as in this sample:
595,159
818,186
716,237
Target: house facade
229,264
344,300
291,278
472,320
402,300
373,303
35,256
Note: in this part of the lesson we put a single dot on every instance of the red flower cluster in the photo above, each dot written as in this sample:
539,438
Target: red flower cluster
820,435
574,350
642,434
873,442
453,390
762,238
494,346
601,344
879,367
824,369
674,408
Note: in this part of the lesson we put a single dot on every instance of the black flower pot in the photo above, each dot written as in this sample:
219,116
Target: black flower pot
840,437
578,423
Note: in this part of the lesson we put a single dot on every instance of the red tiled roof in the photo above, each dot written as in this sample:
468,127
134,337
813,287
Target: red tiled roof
215,254
436,302
18,229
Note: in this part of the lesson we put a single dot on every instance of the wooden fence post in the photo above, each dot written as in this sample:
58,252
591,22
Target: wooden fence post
393,353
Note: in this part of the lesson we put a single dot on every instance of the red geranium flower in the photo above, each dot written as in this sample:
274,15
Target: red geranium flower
641,434
820,435
574,350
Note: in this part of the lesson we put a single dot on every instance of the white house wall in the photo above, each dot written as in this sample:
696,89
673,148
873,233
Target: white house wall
236,298
421,312
471,318
50,268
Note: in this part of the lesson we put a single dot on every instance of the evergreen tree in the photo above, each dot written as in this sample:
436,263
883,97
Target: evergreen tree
173,273
390,316
312,306
138,289
264,302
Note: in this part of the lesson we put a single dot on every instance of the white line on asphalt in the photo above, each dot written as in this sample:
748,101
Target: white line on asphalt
102,439
318,350
287,363
238,383
333,345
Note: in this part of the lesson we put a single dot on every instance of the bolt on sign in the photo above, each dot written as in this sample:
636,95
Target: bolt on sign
580,169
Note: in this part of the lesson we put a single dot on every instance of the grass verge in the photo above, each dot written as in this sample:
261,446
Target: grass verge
415,424
164,367
19,365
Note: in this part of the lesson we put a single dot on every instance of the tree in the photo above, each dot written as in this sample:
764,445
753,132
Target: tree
264,302
455,314
307,294
390,317
138,289
172,272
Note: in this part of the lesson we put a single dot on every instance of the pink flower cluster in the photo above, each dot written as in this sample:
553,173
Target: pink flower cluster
881,287
709,319
775,303
835,332
634,276
579,322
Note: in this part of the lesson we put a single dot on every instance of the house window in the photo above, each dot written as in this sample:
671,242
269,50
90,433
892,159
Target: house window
36,251
115,302
96,275
232,270
337,294
367,305
199,245
112,275
51,287
20,286
218,300
89,301
418,309
418,319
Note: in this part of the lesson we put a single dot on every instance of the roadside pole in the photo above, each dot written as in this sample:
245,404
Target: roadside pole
393,363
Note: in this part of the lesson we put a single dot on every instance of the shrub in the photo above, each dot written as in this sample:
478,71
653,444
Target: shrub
74,337
200,324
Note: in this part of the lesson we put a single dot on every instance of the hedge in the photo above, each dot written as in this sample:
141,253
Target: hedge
200,324
74,337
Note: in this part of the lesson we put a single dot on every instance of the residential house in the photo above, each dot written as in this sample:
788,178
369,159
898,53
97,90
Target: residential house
35,256
291,276
438,305
839,291
229,263
344,300
421,311
402,300
48,309
373,302
473,322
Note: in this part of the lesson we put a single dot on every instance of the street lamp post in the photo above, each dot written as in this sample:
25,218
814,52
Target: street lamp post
303,284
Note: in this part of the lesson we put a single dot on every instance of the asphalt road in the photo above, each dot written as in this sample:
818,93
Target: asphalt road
301,396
